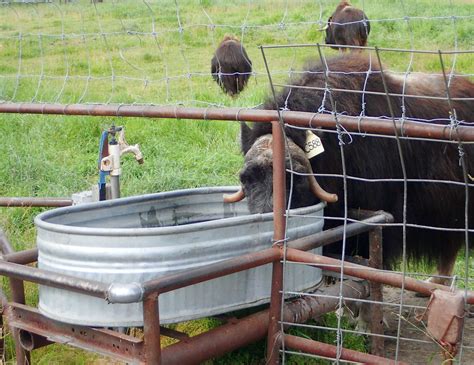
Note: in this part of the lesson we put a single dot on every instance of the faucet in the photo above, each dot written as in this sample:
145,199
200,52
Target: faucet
110,163
126,148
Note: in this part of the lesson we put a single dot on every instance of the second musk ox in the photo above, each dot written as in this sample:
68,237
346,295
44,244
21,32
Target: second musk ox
369,159
347,26
231,66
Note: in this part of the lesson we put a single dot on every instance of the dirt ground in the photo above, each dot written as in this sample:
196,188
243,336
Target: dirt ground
415,352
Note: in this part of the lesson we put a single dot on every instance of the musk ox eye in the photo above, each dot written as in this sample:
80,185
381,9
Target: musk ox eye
247,176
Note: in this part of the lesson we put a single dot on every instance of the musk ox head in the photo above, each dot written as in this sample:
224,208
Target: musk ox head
256,178
231,67
355,33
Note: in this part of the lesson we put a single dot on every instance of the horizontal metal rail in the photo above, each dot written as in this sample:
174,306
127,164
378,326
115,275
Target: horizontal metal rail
53,279
221,268
134,292
34,202
303,119
24,257
363,272
330,351
241,332
369,48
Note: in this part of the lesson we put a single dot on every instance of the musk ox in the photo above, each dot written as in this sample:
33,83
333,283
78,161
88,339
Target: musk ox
347,26
231,66
369,159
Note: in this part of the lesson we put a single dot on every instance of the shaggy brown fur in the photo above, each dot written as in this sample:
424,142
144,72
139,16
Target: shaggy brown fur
231,66
353,34
428,204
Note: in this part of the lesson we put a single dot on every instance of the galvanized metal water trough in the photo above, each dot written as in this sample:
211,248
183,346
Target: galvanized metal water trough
144,237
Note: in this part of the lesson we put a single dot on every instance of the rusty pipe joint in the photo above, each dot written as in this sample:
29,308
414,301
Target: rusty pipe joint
124,293
30,341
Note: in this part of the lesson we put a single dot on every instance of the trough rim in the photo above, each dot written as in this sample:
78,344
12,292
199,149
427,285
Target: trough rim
40,219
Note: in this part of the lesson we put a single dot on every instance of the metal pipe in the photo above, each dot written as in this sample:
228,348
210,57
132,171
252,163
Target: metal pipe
53,279
24,257
218,269
5,246
134,292
376,293
242,332
111,343
334,234
3,304
115,186
279,234
31,341
18,295
34,202
363,272
330,351
151,330
251,260
351,124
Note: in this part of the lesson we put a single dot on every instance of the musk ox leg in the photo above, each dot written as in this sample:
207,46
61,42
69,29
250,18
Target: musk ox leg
445,265
445,268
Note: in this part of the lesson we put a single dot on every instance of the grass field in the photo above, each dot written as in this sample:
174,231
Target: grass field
158,52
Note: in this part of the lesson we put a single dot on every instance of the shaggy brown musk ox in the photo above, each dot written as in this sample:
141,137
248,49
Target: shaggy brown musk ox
434,204
231,66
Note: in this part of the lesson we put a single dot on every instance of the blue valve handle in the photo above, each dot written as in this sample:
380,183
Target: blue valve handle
103,152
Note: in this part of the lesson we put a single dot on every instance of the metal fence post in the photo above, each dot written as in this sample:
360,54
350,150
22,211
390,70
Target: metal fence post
279,205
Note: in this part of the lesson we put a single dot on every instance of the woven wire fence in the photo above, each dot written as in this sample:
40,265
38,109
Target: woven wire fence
158,53
400,309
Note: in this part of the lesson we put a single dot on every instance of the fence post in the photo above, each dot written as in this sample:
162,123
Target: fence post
279,206
376,294
151,329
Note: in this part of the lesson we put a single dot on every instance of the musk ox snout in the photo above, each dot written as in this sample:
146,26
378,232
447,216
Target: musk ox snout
256,178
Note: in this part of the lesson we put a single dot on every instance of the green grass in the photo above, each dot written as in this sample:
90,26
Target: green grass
56,155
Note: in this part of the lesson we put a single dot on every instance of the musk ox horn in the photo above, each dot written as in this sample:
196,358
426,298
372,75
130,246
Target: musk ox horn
316,189
235,197
324,28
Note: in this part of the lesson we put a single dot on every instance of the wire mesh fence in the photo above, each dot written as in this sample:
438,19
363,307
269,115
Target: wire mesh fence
401,170
421,57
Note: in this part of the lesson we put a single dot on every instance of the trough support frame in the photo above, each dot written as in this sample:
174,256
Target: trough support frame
103,341
130,349
18,295
376,293
133,350
148,351
193,350
151,329
279,221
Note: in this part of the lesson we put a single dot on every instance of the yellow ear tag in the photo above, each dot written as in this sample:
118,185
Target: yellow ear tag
313,145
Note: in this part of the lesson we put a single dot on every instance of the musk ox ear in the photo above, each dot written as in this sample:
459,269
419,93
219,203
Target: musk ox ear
246,138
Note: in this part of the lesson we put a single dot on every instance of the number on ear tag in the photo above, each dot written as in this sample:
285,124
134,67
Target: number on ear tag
313,145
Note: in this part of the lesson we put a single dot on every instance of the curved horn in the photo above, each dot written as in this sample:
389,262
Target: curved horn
316,189
235,197
320,192
324,28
